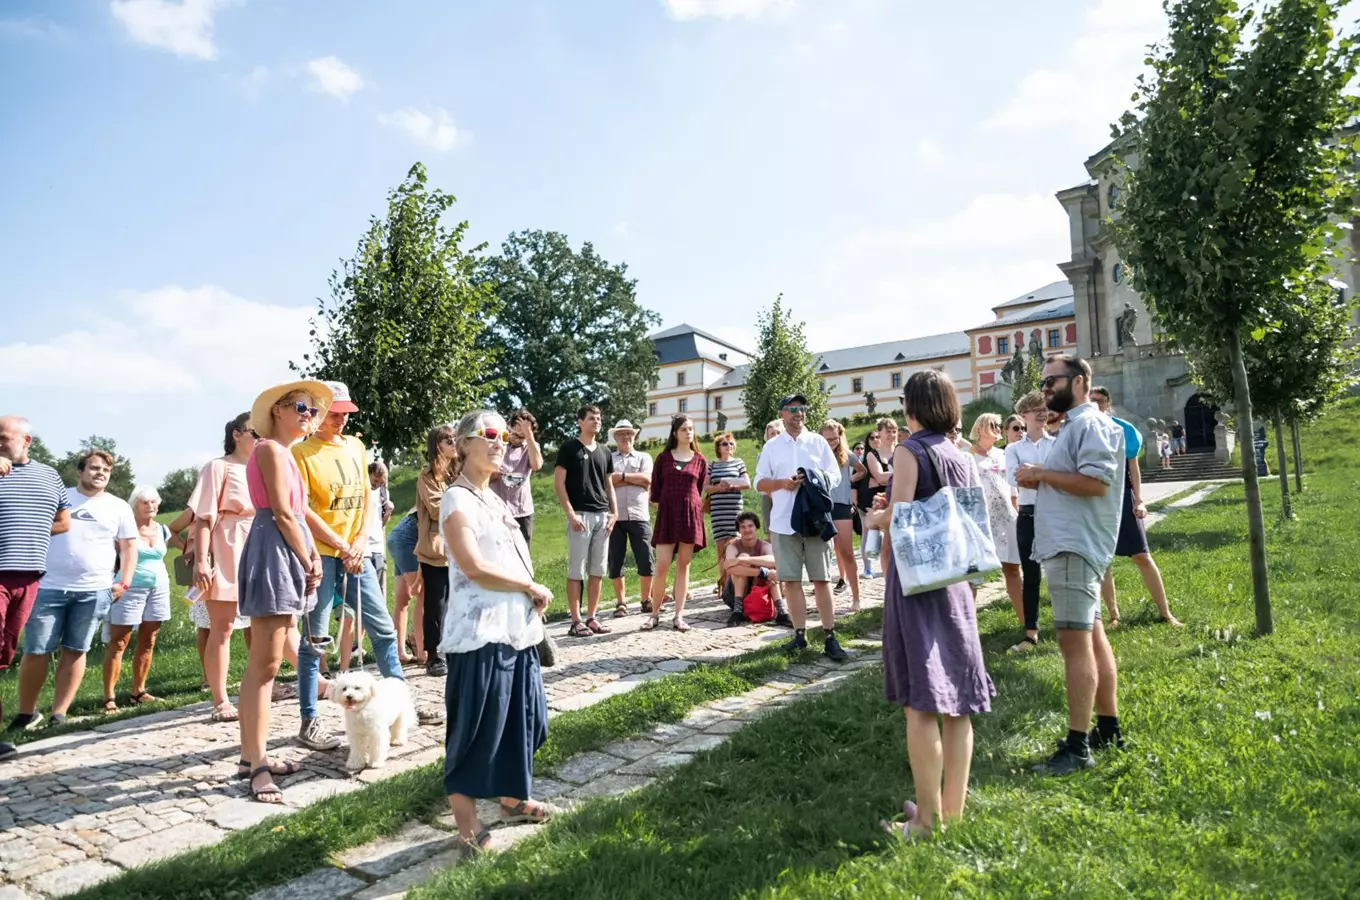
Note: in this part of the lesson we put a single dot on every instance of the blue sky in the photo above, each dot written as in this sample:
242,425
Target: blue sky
179,177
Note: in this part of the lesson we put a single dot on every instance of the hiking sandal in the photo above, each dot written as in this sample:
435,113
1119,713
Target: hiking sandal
621,610
651,623
579,629
480,844
531,811
110,706
143,697
680,625
266,793
596,627
278,769
225,712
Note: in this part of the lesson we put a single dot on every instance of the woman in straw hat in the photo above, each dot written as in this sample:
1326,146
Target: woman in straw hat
279,568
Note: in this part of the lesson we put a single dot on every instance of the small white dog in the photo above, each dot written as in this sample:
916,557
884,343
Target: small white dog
379,714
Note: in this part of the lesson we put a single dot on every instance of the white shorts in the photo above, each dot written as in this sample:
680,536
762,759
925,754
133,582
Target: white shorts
198,614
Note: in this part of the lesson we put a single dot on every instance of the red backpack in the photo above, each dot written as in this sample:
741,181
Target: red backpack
757,605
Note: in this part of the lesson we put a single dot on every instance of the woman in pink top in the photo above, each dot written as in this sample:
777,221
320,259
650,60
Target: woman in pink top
279,567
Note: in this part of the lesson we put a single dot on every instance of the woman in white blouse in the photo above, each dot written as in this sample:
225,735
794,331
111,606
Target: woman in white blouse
991,464
497,710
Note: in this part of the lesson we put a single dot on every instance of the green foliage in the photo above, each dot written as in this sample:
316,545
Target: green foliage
782,365
870,403
975,408
39,452
1027,373
121,483
402,324
570,331
176,487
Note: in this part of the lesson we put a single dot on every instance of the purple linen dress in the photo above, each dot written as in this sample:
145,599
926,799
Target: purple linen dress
932,657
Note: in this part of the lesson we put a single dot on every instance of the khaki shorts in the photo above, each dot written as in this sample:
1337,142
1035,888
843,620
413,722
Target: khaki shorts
794,552
1074,588
585,549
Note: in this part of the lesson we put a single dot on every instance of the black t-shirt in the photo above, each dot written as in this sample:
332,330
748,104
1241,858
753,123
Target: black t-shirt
1177,431
588,473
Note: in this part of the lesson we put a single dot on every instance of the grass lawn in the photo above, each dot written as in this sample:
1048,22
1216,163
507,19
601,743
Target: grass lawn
1242,776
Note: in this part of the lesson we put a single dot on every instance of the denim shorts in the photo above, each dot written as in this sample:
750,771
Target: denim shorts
401,543
66,619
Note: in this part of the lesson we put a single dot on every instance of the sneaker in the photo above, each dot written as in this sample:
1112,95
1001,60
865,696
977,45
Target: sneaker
25,722
1097,741
783,620
1065,761
840,586
315,737
56,720
8,751
737,618
799,642
436,668
833,650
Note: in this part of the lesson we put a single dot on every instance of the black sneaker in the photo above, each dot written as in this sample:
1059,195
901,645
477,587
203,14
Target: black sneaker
1097,741
8,751
783,620
436,669
737,618
1065,761
25,722
799,642
833,650
840,586
56,720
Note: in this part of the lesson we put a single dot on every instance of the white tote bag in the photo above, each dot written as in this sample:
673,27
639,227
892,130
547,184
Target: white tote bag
945,538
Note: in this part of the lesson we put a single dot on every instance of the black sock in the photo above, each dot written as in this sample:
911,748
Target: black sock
1076,742
1108,727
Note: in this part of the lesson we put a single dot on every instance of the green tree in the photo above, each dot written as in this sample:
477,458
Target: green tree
121,483
870,403
39,452
176,487
402,324
1027,372
1237,181
782,365
570,331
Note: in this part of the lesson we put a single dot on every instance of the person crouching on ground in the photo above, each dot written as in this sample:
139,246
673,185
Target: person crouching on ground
750,561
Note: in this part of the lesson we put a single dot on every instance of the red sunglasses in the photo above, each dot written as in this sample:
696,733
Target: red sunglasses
492,435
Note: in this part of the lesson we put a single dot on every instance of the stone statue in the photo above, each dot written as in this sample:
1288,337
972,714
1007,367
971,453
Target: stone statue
1036,347
1126,322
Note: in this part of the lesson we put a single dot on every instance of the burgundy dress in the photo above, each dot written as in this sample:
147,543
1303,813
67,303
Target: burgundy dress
932,657
676,489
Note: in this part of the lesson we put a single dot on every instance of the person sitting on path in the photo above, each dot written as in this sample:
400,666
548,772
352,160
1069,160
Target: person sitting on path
33,507
522,459
991,463
1076,528
750,561
279,569
1031,448
727,479
74,594
1132,542
497,708
632,480
932,654
780,471
842,511
145,605
586,494
678,478
441,467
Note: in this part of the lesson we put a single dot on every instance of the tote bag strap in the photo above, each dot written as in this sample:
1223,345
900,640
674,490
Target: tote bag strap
528,566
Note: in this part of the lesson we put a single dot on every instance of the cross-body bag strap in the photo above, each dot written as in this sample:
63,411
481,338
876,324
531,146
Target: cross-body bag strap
528,566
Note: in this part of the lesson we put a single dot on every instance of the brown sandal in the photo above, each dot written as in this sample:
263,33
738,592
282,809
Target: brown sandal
579,629
110,706
621,610
680,625
651,623
143,697
596,627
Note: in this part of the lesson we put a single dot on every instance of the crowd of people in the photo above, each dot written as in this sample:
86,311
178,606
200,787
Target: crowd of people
290,525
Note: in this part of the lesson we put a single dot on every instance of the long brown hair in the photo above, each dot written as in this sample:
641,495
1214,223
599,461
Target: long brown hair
840,448
437,467
672,442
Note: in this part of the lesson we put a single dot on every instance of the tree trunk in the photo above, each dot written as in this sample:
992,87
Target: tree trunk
1285,511
1256,526
1298,456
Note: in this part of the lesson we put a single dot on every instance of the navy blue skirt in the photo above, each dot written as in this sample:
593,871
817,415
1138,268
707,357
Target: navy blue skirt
497,719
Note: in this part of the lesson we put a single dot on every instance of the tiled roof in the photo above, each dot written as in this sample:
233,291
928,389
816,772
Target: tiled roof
685,342
1047,292
873,355
1055,309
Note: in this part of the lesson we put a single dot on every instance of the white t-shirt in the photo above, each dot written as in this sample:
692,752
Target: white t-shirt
477,616
377,532
84,558
782,457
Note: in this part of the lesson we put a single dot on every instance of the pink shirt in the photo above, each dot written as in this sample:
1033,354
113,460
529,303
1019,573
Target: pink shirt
259,495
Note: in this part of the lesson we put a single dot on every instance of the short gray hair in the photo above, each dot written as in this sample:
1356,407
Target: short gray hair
144,492
19,422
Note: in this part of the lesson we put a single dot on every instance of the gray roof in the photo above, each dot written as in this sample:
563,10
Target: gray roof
685,342
873,355
734,378
1047,292
1054,309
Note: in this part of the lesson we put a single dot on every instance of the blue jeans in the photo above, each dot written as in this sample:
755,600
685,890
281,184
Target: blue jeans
377,622
67,619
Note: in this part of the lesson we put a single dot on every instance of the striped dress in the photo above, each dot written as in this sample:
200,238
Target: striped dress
723,508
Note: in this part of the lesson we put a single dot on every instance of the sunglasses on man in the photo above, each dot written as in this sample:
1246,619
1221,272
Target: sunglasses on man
796,410
1051,380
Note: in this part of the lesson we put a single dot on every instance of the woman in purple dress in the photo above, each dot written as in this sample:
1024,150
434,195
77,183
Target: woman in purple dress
678,480
932,656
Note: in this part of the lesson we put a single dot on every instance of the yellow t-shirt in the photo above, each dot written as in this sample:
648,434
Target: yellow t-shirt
335,477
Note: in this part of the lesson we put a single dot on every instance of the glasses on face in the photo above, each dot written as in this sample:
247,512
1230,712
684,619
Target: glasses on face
795,410
493,435
447,440
1015,427
302,409
1048,382
727,443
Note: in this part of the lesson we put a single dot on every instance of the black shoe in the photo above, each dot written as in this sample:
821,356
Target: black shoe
737,618
840,586
799,642
1097,741
1065,761
56,720
437,669
25,722
783,620
833,650
8,751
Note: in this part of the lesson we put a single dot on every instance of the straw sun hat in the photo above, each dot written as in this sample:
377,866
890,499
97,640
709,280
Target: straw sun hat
262,410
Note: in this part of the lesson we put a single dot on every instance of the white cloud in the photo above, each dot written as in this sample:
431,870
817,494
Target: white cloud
434,131
1089,85
686,10
183,28
331,76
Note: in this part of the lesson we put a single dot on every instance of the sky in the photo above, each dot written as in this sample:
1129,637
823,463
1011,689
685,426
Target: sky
178,178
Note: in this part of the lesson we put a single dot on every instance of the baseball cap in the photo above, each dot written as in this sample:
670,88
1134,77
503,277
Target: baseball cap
340,394
790,398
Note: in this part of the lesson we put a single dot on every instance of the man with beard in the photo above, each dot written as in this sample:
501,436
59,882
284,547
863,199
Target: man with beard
1076,527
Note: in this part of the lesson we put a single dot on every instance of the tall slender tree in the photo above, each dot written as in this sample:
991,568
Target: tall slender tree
782,365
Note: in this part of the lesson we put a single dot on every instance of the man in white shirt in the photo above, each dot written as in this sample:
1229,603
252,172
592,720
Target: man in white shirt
632,480
1032,449
777,474
75,593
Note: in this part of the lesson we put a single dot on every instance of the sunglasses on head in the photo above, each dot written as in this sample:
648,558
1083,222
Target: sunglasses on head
493,435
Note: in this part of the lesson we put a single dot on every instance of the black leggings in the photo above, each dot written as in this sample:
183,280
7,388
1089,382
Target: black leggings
436,581
1030,571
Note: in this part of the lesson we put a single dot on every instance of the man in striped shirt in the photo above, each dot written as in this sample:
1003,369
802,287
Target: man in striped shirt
33,507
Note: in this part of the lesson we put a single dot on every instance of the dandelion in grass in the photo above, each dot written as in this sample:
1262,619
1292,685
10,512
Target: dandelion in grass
1263,715
1293,732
